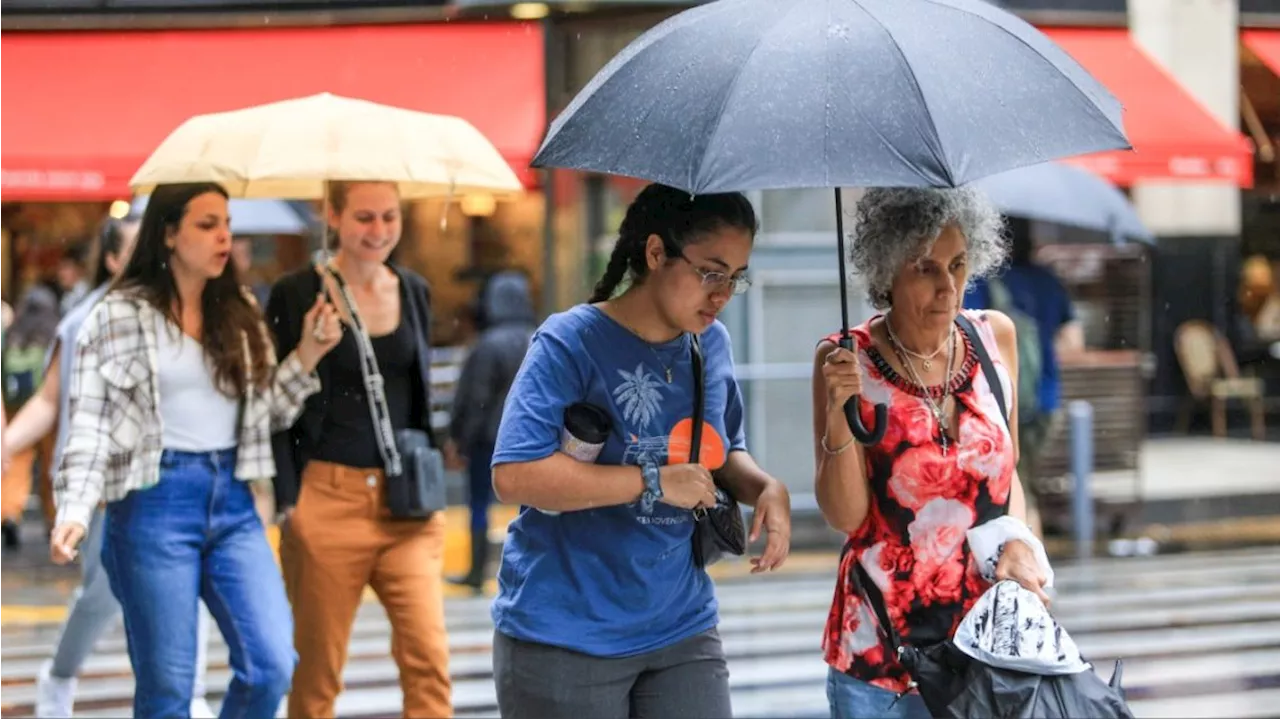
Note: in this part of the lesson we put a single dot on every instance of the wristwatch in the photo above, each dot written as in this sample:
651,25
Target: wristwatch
652,486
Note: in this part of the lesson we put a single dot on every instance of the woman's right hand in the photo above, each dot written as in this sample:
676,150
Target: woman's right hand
63,541
687,486
843,377
321,332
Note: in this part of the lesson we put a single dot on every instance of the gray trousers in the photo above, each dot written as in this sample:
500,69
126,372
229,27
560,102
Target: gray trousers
93,609
538,681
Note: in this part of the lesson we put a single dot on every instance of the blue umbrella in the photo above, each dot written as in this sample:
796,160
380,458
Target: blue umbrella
1066,195
774,94
251,217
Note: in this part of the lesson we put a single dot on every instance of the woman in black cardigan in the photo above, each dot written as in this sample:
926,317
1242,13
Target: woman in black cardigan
338,535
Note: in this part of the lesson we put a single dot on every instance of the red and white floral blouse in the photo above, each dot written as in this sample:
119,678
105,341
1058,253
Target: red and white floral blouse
912,542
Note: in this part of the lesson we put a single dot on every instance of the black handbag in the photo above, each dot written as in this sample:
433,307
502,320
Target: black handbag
720,531
414,488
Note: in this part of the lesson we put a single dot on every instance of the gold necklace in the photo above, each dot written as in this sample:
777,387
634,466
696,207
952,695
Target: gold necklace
939,408
667,369
925,360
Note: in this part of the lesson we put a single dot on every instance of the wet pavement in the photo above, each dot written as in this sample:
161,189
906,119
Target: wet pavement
1199,633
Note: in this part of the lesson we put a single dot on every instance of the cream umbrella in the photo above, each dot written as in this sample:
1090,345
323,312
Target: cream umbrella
290,149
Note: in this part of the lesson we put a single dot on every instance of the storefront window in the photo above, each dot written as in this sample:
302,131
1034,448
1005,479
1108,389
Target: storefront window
803,216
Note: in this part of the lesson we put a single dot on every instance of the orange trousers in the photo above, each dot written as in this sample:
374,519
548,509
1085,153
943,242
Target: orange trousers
16,485
338,540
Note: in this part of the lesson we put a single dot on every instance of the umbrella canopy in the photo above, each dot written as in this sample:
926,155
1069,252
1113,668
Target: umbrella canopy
742,95
290,149
251,217
764,94
1067,195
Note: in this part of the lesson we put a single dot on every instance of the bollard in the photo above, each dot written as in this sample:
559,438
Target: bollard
1081,418
1082,468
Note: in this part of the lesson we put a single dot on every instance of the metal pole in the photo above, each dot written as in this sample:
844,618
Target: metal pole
551,68
1082,518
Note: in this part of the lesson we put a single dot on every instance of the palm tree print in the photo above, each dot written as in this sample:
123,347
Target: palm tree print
640,396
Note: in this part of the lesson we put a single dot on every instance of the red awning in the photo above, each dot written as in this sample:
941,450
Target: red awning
82,110
1174,137
1266,45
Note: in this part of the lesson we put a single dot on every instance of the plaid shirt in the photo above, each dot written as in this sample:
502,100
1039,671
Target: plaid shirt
114,444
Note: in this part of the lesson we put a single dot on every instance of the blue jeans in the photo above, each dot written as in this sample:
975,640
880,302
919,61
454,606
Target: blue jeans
854,699
193,536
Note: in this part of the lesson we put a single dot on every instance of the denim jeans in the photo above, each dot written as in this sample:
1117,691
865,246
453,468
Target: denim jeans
854,699
196,535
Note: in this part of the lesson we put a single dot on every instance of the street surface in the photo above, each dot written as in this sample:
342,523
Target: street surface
1200,634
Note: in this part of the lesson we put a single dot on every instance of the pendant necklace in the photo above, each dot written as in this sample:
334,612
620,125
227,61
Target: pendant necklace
667,370
926,360
936,408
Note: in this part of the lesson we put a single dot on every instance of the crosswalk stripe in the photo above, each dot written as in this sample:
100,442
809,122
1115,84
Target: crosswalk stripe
1200,636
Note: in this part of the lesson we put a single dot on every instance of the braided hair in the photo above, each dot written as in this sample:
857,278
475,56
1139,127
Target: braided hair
679,218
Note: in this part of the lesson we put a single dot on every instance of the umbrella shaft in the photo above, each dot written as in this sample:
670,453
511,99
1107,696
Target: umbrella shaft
844,273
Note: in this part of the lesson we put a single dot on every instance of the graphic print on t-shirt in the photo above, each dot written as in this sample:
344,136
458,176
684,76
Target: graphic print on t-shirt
640,397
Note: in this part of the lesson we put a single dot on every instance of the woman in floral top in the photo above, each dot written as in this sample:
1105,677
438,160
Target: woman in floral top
946,463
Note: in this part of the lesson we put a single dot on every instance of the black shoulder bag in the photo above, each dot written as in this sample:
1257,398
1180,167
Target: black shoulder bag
415,485
719,531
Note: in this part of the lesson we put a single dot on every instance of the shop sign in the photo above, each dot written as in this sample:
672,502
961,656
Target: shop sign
52,180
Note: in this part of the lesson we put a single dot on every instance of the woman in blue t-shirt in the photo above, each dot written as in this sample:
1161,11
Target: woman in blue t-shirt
601,611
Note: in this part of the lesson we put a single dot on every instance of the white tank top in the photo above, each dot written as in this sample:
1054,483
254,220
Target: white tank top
196,417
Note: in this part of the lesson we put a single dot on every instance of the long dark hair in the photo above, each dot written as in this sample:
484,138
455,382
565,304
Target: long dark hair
228,314
110,240
676,216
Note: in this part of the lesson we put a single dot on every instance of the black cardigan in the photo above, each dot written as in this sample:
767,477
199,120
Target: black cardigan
291,298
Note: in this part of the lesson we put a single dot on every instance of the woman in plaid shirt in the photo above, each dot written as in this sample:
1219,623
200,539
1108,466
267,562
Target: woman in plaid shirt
175,391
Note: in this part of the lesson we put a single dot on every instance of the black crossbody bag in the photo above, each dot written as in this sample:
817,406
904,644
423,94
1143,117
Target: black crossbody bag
415,485
720,531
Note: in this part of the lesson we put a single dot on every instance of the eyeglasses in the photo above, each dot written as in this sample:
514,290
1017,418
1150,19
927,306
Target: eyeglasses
712,280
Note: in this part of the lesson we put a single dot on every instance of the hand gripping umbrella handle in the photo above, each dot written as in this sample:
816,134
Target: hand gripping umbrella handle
853,414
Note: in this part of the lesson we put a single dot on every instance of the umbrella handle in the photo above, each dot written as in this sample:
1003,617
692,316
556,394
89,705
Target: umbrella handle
853,413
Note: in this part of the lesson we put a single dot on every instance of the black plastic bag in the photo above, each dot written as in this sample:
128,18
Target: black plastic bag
955,686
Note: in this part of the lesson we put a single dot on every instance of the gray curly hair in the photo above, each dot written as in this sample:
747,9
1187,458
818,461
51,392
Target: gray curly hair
895,225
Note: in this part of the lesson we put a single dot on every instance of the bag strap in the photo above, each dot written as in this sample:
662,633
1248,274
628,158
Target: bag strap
872,596
695,352
988,368
374,385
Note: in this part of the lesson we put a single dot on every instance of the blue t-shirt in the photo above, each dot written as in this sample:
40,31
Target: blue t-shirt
1037,292
611,581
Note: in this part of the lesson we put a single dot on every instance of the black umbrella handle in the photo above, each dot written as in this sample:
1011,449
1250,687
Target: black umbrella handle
853,413
851,408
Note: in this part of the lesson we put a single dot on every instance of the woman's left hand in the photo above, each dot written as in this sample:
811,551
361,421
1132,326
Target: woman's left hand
772,514
1018,562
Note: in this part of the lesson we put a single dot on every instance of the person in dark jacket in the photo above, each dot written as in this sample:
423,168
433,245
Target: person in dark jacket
482,389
